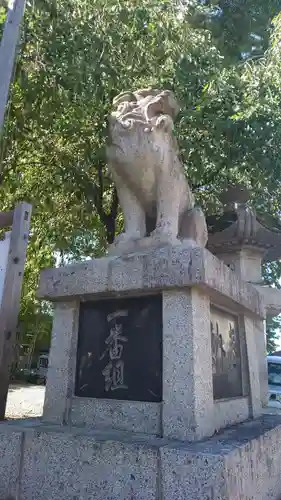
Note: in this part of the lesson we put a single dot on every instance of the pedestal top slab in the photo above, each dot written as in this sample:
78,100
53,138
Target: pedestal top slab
159,269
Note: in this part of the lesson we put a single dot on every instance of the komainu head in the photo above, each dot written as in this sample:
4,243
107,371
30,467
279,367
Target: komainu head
151,107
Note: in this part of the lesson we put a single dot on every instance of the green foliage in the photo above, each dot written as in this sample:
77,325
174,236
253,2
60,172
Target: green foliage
272,336
241,29
75,56
3,13
272,275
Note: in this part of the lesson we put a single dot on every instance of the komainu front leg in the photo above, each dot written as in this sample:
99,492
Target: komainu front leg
168,207
166,229
134,215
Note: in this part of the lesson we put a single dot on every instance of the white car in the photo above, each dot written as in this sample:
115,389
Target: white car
274,381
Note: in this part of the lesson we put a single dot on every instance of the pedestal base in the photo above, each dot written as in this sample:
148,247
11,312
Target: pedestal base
146,245
195,348
41,462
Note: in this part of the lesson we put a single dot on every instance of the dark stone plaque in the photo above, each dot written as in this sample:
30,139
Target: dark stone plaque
120,349
226,355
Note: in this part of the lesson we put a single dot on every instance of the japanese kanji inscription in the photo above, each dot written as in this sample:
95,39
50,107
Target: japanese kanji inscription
120,349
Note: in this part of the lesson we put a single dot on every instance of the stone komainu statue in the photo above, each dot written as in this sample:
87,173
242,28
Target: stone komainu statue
143,159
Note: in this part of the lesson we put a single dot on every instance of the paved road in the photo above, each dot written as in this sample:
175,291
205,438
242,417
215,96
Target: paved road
25,401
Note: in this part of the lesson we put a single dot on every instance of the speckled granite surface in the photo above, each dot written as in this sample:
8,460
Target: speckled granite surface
44,462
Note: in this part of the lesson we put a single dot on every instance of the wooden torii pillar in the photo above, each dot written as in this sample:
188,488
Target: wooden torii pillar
12,261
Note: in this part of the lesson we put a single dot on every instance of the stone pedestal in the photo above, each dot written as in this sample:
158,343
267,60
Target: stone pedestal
50,462
152,372
244,240
246,262
205,357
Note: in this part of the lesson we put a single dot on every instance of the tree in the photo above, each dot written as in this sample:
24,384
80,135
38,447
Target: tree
74,58
240,28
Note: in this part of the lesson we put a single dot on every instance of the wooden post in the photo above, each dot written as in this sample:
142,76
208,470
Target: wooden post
8,47
11,294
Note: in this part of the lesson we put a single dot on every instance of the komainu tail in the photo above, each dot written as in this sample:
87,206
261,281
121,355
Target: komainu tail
193,227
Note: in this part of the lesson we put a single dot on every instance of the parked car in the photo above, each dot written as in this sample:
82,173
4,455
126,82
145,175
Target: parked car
29,376
274,381
35,375
42,368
